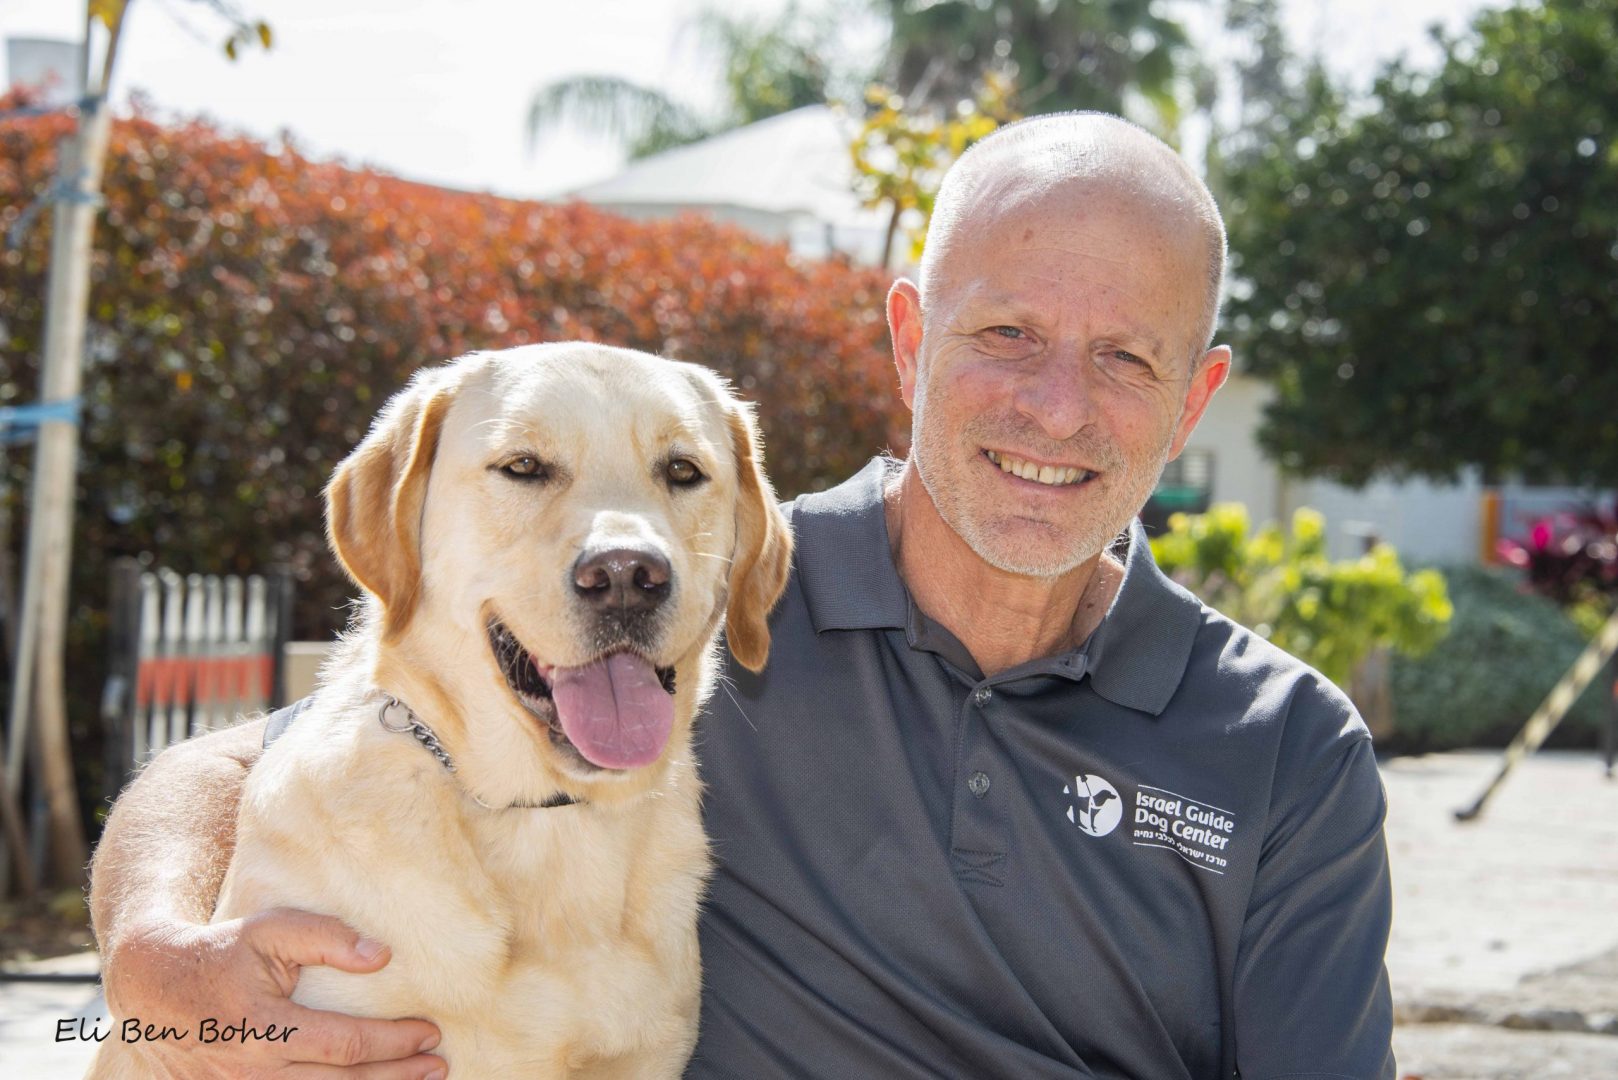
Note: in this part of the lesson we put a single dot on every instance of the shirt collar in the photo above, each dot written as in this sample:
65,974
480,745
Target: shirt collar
1138,655
1135,658
844,559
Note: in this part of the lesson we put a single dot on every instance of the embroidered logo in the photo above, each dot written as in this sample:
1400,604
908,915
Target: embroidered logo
1195,831
1096,808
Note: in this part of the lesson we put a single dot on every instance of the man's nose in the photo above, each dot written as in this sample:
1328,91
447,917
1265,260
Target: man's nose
1059,396
622,579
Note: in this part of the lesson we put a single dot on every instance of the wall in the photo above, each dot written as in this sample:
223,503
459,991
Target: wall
1241,473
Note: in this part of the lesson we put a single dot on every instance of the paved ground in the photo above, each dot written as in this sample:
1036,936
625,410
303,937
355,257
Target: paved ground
1506,924
1504,956
30,1013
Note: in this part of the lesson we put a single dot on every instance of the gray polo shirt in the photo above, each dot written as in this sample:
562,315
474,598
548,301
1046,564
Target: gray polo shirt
1157,857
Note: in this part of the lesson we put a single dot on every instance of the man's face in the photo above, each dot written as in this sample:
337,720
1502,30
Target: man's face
1053,376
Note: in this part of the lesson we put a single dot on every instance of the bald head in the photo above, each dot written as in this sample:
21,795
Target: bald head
1048,159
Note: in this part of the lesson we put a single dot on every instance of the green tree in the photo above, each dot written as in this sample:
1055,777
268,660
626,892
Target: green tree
1430,277
1262,82
1062,54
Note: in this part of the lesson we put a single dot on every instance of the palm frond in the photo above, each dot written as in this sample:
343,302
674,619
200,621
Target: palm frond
642,119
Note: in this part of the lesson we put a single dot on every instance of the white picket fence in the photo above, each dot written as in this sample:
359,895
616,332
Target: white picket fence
190,654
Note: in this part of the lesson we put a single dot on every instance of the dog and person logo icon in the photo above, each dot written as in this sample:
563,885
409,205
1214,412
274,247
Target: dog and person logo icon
1097,808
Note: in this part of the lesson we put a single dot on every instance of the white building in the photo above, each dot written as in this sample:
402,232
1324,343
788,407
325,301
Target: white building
789,177
57,67
1427,522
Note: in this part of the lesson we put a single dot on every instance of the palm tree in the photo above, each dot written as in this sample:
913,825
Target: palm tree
645,120
770,66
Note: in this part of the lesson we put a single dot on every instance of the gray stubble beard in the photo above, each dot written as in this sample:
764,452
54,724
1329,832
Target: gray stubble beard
975,533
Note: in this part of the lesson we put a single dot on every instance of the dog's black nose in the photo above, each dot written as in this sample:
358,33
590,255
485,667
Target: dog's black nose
622,579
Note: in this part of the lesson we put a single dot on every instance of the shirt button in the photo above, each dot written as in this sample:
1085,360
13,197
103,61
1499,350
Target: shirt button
978,784
982,695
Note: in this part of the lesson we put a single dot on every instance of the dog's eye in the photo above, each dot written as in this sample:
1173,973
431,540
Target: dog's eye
683,473
525,468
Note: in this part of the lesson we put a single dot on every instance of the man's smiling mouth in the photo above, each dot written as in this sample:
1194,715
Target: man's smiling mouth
1050,475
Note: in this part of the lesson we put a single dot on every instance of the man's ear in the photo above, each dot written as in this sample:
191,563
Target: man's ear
1208,376
763,554
375,499
904,326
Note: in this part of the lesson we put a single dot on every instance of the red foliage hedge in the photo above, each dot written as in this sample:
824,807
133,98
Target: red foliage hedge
251,309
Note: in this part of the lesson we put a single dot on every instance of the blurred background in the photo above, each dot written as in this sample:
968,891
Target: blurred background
1408,481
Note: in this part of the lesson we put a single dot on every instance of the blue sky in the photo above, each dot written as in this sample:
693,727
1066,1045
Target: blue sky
437,90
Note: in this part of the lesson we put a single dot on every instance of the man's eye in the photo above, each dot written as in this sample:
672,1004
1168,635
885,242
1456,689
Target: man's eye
1011,332
1128,357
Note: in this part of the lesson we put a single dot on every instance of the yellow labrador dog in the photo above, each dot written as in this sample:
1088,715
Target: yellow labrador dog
495,775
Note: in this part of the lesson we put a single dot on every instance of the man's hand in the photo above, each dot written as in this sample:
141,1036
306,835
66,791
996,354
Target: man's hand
179,974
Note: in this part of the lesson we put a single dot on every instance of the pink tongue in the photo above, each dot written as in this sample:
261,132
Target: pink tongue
615,710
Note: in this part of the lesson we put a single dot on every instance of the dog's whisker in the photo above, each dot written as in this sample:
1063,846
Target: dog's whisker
738,705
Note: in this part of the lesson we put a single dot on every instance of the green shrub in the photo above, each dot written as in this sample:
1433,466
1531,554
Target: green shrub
1282,585
1505,650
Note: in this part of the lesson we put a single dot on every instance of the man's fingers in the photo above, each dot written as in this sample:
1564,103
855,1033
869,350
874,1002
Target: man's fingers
304,939
329,1038
420,1067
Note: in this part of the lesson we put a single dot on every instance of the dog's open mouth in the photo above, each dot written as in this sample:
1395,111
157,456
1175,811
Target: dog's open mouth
616,712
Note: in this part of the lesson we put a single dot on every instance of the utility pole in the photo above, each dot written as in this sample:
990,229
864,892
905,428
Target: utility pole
38,690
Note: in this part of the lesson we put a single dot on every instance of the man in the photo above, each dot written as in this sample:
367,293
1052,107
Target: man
1006,802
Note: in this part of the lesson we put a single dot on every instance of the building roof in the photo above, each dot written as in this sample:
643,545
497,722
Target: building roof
794,163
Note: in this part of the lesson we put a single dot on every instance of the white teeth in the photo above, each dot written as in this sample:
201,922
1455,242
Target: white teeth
1040,474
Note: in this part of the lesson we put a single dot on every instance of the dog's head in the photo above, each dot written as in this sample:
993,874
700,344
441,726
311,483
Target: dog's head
551,536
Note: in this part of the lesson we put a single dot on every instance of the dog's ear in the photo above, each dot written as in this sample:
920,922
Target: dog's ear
763,555
375,499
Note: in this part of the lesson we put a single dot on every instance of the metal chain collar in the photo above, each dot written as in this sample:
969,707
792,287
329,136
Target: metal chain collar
423,734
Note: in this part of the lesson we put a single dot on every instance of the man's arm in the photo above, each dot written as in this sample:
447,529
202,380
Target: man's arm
1312,996
169,837
154,883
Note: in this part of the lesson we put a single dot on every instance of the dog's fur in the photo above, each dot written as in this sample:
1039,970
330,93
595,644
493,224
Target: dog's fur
544,942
